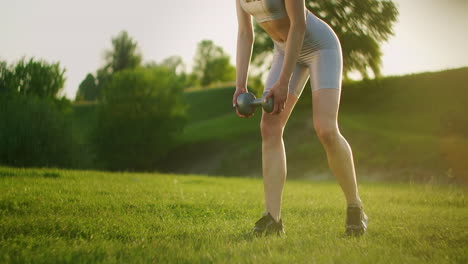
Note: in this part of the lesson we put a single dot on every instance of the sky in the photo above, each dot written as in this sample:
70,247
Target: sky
430,35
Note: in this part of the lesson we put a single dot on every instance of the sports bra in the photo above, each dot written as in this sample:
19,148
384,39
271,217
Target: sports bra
264,10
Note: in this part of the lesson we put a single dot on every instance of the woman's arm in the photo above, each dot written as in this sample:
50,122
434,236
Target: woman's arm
245,39
295,11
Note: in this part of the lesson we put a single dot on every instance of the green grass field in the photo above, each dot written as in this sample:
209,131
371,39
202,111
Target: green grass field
65,216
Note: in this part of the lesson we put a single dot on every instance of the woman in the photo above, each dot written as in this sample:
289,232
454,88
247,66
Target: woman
304,46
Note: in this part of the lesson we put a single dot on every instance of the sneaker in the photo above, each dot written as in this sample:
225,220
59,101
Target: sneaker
268,226
356,221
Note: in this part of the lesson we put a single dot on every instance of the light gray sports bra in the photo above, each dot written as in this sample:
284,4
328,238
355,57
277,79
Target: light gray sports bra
264,10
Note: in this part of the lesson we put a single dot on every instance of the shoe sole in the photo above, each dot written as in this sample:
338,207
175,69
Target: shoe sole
355,230
358,230
260,233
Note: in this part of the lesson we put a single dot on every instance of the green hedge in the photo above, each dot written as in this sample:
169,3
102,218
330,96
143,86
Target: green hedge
35,132
139,118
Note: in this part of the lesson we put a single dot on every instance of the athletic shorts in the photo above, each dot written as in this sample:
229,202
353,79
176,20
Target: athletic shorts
320,59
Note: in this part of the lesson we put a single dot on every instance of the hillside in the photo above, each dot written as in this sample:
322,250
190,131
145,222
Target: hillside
411,127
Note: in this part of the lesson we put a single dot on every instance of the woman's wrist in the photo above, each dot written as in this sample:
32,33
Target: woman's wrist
241,88
283,80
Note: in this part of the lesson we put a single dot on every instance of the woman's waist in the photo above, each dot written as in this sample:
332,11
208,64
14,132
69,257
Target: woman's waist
318,35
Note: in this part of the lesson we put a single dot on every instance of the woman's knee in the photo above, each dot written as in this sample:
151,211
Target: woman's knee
271,127
328,133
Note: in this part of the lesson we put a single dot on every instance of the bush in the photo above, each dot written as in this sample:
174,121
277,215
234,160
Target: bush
32,77
138,120
35,132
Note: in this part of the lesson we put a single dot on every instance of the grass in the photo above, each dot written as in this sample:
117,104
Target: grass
66,216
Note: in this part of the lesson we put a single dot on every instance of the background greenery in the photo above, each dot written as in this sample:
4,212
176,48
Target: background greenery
147,116
35,132
138,118
409,127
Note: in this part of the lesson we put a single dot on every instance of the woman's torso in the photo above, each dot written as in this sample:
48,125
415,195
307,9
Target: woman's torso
271,15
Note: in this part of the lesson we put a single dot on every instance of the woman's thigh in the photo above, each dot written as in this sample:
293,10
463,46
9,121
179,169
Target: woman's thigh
325,106
299,76
298,80
325,69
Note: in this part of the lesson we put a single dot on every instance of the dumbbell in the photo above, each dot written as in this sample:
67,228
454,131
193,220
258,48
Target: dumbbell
247,103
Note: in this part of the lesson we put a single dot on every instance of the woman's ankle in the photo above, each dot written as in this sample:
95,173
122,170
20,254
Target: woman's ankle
355,203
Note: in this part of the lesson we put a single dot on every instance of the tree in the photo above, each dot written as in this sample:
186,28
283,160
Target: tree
175,63
88,89
142,111
35,129
6,79
32,77
124,53
211,64
361,25
102,76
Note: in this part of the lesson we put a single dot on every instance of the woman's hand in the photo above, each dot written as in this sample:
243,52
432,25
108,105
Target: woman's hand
239,90
280,95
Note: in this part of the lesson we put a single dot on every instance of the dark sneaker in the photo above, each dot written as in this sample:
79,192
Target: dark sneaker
268,226
356,221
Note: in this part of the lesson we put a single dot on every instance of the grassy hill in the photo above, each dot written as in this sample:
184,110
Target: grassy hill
65,216
411,127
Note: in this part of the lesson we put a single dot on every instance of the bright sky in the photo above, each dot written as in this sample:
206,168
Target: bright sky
431,34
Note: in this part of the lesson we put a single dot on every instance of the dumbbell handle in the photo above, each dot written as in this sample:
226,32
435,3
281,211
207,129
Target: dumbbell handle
259,101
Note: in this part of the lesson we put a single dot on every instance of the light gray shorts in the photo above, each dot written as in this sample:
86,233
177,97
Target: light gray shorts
320,59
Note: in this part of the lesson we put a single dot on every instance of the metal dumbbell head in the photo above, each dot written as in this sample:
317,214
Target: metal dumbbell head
247,103
269,104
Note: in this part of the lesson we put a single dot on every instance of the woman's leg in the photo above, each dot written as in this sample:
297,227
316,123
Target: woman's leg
272,127
325,104
274,157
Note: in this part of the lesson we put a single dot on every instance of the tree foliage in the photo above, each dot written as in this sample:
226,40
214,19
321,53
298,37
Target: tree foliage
175,63
141,112
35,129
124,54
178,67
361,26
211,64
32,77
35,132
88,89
